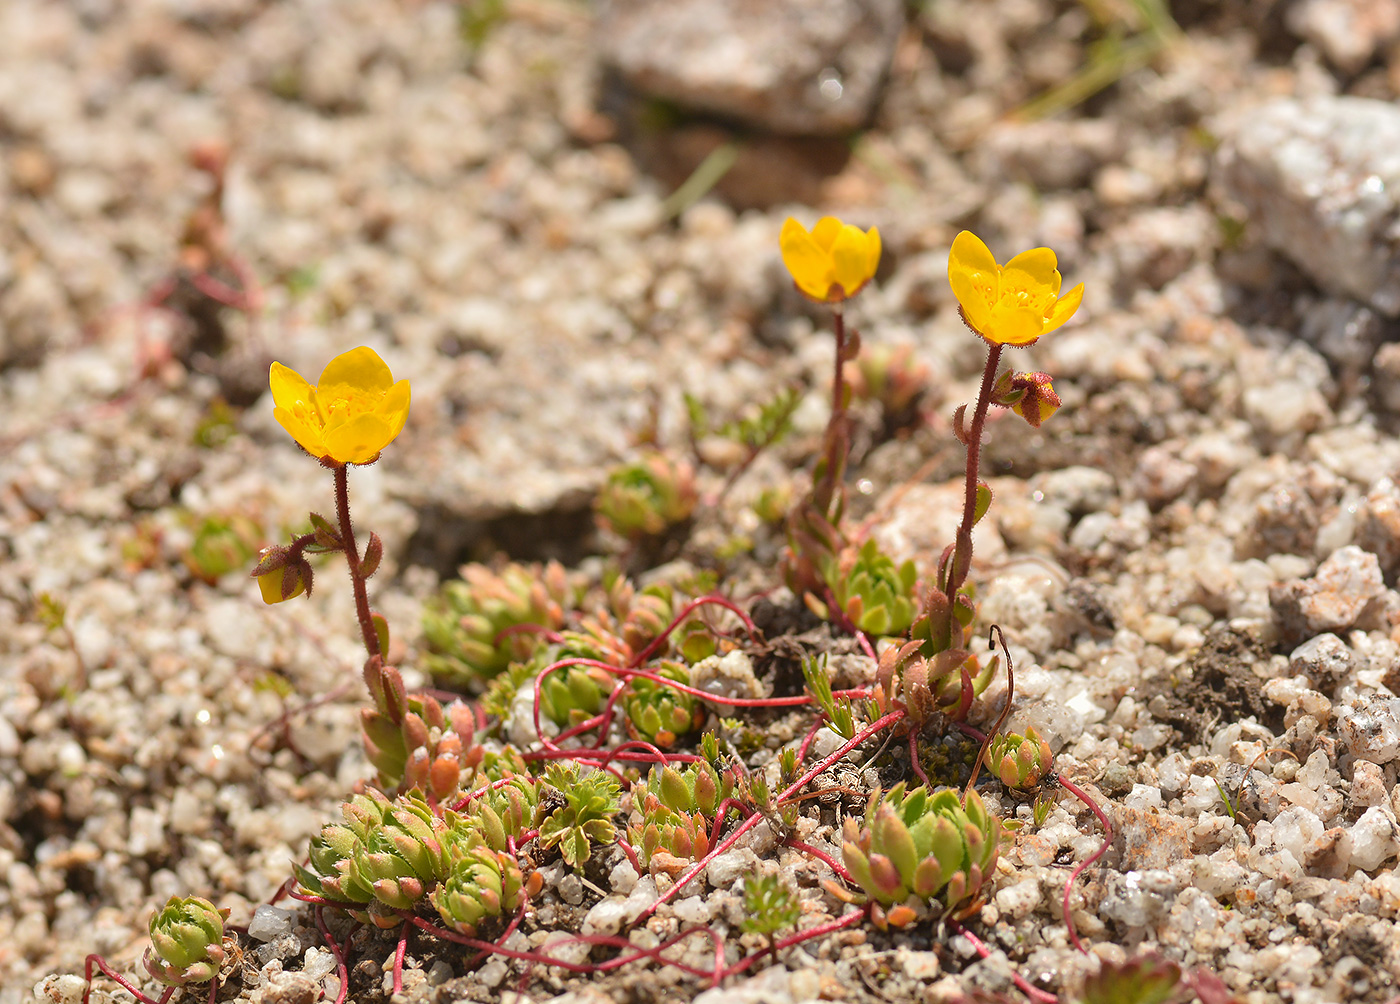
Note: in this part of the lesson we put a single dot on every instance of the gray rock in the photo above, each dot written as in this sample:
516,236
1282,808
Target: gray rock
1324,660
606,917
1162,476
1344,591
1320,180
269,922
801,67
571,889
1349,32
1370,727
1345,332
1378,526
768,987
1138,898
1152,840
724,870
1051,155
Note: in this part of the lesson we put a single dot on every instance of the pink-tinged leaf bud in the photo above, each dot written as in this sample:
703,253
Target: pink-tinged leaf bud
395,694
675,793
886,875
327,535
706,789
416,770
444,777
374,554
415,732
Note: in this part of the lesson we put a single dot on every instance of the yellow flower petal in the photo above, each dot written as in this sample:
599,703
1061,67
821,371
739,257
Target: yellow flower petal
360,368
970,256
973,300
359,440
826,231
1033,268
1012,324
288,386
307,434
294,403
394,409
1065,307
850,260
810,265
872,250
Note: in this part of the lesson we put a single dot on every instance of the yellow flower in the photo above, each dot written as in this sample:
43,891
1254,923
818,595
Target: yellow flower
1011,304
353,412
834,261
271,584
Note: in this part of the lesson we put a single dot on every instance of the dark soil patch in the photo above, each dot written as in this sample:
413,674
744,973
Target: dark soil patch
1221,687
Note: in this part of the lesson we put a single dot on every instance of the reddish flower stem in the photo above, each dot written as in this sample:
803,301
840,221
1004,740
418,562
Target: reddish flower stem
602,718
1107,842
478,792
835,444
352,558
831,927
612,941
505,935
721,811
341,969
222,292
399,952
686,611
631,853
754,820
602,721
961,561
322,901
656,756
914,760
820,855
122,981
736,702
962,556
811,736
1038,996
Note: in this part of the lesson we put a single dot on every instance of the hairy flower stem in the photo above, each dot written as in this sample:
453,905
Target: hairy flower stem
961,561
352,558
836,443
1079,793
